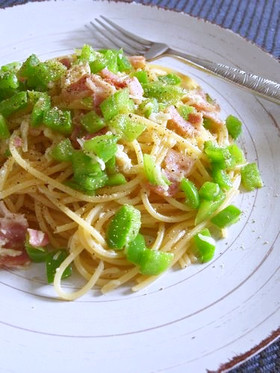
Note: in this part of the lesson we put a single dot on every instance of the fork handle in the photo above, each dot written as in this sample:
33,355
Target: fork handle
263,87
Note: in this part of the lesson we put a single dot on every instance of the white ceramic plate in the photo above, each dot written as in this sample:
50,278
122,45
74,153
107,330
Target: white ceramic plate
190,320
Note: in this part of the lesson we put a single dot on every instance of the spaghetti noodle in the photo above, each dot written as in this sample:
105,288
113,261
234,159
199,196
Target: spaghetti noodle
96,131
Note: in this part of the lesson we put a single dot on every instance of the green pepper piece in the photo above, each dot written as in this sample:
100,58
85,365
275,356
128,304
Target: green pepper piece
8,80
42,105
58,120
84,165
237,155
149,106
218,155
128,128
142,76
111,167
209,190
118,103
104,146
164,93
11,67
87,54
124,227
13,104
92,122
63,151
116,179
90,183
191,193
208,124
234,126
36,254
207,208
27,70
204,246
123,62
185,110
226,217
53,261
171,79
152,262
221,178
107,58
4,130
154,173
250,177
135,249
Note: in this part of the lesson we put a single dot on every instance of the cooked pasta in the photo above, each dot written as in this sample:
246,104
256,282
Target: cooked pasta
97,141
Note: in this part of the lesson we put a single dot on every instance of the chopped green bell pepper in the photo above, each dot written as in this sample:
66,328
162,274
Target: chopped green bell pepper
128,128
226,217
58,120
107,58
152,262
84,165
234,126
164,93
53,261
154,173
221,178
4,129
42,105
118,103
116,179
36,254
209,190
104,146
149,106
63,151
218,155
142,76
171,79
208,207
185,110
124,227
250,177
204,246
13,104
191,193
135,249
92,122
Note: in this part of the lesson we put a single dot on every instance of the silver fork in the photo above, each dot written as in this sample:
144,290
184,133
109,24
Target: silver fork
113,35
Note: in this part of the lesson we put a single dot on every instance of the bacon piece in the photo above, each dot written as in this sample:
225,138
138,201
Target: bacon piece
37,238
176,167
135,88
9,261
100,89
66,61
13,228
112,78
88,85
170,192
217,122
133,84
179,124
138,62
198,99
196,119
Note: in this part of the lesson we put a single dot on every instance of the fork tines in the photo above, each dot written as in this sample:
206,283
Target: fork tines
112,35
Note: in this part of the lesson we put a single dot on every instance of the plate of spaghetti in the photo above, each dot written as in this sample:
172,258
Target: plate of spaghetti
144,193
